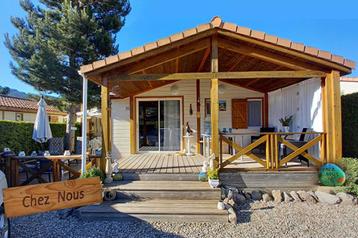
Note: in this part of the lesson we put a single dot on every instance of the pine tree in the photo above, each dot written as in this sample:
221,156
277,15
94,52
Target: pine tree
57,37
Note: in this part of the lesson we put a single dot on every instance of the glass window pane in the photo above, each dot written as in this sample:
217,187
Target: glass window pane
254,109
148,126
170,125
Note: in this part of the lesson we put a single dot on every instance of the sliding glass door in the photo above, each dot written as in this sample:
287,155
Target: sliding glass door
159,124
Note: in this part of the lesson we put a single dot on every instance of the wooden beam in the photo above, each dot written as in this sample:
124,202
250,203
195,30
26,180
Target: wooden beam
198,118
203,60
284,50
214,101
264,55
163,58
331,98
266,110
152,53
132,125
236,63
218,75
106,138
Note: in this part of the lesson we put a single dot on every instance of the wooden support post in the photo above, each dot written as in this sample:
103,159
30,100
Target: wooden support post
132,126
265,110
198,122
214,101
106,139
332,122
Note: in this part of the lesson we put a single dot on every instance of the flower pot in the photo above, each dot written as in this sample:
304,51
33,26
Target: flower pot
214,183
286,129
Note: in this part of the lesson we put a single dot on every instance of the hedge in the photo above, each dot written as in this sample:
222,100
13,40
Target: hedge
18,135
350,125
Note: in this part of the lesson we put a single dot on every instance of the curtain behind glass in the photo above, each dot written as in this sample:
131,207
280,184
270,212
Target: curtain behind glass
170,125
254,110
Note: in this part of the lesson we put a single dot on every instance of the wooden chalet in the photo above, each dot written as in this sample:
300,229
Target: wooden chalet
227,82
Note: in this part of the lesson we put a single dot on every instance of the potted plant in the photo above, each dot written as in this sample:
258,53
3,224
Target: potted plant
285,122
93,172
213,178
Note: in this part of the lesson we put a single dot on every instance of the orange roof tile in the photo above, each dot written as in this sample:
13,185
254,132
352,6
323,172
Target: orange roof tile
14,103
217,23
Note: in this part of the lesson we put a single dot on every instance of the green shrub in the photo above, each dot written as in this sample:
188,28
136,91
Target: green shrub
18,135
350,167
350,125
213,173
93,172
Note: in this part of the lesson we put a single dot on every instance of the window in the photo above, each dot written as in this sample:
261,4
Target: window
254,112
19,116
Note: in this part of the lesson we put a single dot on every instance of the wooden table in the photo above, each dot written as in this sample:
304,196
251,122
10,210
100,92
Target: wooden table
57,163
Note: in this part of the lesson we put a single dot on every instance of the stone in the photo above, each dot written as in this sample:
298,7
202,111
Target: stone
327,198
331,175
256,195
277,196
239,198
306,197
266,197
295,196
346,199
221,206
287,198
313,195
247,195
326,189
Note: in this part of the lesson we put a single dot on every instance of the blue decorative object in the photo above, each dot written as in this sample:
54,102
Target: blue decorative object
331,175
203,177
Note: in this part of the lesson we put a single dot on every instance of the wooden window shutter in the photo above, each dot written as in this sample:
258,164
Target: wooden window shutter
239,113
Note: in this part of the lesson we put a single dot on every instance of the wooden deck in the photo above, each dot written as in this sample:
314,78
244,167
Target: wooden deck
163,163
175,163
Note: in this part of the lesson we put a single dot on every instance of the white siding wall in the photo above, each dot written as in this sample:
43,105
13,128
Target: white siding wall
120,127
187,89
303,101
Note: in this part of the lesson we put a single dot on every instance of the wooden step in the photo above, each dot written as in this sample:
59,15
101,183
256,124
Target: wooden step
164,190
157,209
160,177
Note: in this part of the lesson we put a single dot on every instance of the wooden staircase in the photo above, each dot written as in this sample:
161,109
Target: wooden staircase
161,198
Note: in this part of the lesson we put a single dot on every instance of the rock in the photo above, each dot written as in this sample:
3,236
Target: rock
346,198
239,198
324,197
247,195
313,195
221,206
256,195
277,196
287,198
266,197
232,216
306,197
326,189
295,196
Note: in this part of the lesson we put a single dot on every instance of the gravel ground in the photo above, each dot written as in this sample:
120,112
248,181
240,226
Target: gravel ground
255,220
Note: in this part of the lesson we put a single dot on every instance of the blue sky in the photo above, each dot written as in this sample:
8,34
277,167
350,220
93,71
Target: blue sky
329,25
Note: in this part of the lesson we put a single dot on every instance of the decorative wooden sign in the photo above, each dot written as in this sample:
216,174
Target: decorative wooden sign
26,200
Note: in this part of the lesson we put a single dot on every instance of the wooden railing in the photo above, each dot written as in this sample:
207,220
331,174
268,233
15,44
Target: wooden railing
273,157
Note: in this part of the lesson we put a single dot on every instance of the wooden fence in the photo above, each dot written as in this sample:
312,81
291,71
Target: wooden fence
274,158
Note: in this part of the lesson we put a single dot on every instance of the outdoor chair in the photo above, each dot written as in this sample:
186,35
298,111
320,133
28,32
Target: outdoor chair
299,143
261,147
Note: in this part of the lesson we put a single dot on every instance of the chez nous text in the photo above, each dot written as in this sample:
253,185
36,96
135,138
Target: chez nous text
62,196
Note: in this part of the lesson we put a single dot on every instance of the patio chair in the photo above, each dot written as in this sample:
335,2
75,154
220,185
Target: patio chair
261,147
299,143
